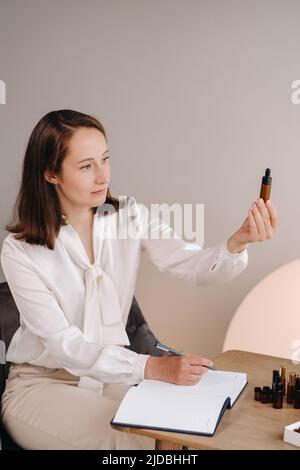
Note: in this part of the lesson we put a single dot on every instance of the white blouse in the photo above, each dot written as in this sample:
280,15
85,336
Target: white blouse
73,313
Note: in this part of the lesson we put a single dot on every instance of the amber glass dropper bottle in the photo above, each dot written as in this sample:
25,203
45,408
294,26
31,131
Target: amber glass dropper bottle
266,185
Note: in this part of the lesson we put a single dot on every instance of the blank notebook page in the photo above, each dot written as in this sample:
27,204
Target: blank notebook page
193,408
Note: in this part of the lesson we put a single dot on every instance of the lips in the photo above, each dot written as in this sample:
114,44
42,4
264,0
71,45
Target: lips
99,191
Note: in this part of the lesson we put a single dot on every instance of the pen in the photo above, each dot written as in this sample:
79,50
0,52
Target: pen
158,345
163,347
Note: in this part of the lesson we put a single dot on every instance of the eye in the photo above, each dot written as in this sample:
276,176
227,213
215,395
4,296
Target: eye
86,167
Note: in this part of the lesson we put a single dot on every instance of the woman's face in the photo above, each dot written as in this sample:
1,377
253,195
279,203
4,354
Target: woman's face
85,170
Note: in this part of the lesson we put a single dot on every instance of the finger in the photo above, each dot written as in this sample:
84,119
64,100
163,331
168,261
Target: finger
273,214
197,370
206,362
263,208
193,379
259,222
253,228
195,376
196,360
266,217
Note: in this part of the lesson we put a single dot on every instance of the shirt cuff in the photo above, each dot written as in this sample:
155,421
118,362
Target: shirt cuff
139,367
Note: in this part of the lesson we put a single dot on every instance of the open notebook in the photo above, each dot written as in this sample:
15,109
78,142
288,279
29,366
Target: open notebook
195,409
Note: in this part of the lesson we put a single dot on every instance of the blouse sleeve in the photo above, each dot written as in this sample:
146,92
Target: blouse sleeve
186,260
43,316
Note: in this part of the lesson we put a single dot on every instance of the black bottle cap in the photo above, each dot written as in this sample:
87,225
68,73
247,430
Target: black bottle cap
266,387
257,389
267,179
297,384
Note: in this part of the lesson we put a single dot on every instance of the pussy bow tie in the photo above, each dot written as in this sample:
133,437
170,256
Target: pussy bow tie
102,320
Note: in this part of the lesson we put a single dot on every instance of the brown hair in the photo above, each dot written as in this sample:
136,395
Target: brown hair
37,216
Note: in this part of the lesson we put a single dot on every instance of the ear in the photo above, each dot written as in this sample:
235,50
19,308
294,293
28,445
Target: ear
50,177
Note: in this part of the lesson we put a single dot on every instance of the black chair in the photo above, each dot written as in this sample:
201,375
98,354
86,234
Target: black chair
140,336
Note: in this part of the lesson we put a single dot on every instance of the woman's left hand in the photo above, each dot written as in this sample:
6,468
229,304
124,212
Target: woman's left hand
260,225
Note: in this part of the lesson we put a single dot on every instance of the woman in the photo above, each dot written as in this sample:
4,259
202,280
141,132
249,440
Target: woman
73,281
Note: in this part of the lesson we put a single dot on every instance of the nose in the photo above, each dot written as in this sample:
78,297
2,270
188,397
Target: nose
101,175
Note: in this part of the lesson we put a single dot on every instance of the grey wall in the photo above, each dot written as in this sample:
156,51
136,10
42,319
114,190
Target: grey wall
196,99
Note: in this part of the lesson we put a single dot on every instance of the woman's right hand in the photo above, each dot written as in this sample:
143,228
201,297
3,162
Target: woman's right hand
180,370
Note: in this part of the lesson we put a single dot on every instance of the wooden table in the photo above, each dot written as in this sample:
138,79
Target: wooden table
249,424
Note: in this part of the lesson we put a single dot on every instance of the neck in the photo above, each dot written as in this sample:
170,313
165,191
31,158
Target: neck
79,218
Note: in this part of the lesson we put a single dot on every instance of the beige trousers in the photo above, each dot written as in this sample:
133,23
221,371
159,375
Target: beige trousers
43,409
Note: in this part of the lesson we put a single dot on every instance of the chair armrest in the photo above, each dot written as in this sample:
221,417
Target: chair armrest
140,335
